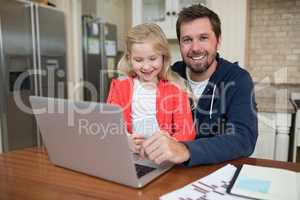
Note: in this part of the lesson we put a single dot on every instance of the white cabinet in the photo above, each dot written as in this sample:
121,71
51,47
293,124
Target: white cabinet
162,12
265,145
273,136
283,125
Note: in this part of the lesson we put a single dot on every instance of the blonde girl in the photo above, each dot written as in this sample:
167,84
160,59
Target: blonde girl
150,94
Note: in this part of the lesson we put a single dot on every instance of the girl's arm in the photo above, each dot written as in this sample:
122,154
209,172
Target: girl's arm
113,93
182,118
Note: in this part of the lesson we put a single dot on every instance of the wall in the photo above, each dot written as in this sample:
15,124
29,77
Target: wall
89,7
175,51
233,16
128,16
60,4
72,10
274,41
111,11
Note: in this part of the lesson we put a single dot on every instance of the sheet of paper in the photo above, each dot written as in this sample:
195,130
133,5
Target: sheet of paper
212,186
110,48
266,183
111,66
93,46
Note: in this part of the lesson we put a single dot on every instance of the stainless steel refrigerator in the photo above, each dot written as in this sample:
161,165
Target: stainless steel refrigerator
33,62
99,57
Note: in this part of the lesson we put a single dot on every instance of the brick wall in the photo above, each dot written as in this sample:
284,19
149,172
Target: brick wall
274,41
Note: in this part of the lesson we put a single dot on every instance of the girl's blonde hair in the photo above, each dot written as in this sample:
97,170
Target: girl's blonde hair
149,32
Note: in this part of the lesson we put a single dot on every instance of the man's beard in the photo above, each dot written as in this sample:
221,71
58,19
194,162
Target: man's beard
202,67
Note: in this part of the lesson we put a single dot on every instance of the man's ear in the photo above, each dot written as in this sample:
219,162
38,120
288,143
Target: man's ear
219,43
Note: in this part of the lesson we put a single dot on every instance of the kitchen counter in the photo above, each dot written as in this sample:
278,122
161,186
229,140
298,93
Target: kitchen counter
275,120
275,98
272,104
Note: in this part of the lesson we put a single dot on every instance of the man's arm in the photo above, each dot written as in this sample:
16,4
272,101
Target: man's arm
237,142
241,129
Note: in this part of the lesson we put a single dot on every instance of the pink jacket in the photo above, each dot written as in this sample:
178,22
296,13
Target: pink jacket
173,109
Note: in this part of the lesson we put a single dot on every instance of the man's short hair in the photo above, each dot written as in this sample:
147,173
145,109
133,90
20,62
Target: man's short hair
198,11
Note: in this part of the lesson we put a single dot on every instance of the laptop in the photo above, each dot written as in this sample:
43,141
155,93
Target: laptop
91,138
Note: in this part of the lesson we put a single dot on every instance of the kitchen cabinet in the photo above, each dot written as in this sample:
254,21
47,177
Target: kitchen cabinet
273,136
265,145
295,97
162,12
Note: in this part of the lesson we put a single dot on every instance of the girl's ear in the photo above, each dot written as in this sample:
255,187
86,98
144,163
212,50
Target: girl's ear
128,56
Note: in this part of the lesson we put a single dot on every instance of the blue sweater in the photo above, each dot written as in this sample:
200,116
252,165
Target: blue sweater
227,124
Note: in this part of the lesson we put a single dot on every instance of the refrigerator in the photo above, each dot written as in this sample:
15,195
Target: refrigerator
33,62
99,57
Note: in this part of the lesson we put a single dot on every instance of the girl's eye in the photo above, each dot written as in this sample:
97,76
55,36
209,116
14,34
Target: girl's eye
138,60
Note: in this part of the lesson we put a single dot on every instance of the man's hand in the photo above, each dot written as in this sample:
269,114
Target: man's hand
161,147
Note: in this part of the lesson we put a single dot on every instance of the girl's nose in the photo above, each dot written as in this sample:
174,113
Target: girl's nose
146,66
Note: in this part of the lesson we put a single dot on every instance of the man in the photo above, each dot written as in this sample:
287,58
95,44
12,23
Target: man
225,108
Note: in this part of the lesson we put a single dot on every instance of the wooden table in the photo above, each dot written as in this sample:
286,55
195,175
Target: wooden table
27,174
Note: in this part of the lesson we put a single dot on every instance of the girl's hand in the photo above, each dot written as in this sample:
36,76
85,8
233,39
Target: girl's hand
138,141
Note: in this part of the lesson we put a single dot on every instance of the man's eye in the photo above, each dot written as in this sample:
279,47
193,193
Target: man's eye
153,58
203,38
186,40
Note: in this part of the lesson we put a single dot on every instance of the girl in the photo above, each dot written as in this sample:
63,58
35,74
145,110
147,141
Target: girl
150,99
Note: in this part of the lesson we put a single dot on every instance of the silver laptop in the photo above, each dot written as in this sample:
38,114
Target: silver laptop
91,137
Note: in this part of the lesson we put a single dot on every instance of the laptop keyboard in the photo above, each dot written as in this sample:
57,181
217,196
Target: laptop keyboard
142,170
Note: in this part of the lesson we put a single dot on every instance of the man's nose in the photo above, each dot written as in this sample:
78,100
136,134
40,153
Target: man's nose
196,46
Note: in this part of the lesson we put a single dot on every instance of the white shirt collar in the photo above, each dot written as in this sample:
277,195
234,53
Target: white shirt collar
197,87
